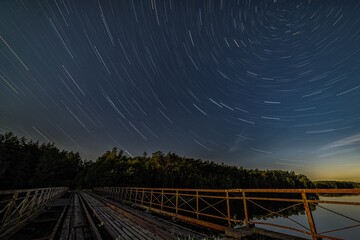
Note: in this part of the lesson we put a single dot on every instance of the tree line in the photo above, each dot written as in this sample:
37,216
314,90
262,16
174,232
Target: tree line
29,164
336,184
169,170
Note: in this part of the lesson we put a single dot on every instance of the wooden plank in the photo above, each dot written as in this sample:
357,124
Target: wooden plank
132,228
164,229
115,232
93,229
120,224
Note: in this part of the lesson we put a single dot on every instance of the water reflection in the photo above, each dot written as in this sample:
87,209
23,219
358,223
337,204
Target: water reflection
326,220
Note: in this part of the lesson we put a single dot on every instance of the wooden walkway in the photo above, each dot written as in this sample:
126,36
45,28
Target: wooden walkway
85,215
75,224
130,223
118,226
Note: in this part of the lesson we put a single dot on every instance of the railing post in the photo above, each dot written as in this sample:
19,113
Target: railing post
197,204
10,207
142,197
228,208
151,197
136,195
245,209
162,199
39,196
309,216
32,199
24,205
130,194
177,202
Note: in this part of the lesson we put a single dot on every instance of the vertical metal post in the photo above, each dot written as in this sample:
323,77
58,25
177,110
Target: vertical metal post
228,208
49,193
117,193
162,199
130,194
309,216
142,197
39,196
24,205
197,204
32,200
177,202
245,209
151,197
136,195
10,207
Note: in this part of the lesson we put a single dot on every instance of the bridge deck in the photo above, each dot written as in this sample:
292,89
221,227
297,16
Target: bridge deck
116,225
55,213
84,215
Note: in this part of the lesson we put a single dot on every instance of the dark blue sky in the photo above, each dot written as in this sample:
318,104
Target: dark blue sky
259,84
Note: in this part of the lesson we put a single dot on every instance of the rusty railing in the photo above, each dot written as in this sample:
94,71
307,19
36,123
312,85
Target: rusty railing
221,209
17,206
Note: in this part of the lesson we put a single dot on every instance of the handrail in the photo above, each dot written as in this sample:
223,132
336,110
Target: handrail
220,209
17,206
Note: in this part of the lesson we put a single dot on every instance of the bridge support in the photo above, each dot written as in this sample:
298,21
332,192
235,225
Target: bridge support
309,217
246,220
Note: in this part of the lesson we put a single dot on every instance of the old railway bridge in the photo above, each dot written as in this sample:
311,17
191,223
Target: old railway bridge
155,213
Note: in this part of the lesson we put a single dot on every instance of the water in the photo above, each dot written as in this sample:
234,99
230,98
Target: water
325,220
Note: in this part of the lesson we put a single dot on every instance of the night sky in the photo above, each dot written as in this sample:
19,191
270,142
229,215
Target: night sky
259,84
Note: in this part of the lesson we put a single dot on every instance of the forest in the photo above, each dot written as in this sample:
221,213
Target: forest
28,164
336,184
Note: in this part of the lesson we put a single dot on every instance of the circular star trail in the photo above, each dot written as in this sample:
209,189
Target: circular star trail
259,84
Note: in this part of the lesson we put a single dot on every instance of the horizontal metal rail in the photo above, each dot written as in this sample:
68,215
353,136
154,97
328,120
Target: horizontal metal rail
17,206
219,209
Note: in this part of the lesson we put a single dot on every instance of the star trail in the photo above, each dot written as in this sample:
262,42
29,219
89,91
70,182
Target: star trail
259,84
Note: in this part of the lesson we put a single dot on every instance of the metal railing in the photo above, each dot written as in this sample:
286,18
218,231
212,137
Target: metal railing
221,209
17,206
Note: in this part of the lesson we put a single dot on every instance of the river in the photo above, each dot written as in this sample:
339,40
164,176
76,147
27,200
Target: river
326,220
